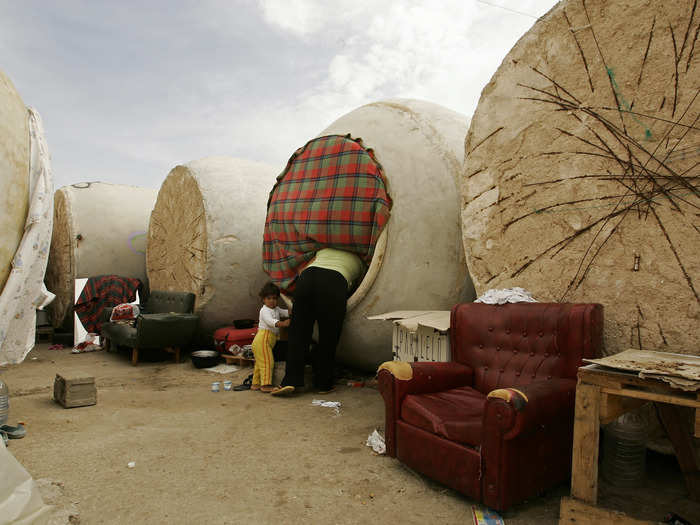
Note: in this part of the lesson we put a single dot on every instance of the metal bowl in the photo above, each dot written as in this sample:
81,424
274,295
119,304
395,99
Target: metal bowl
205,358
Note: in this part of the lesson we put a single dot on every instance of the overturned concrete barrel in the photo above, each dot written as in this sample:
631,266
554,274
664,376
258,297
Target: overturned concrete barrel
205,236
418,262
99,229
581,170
14,173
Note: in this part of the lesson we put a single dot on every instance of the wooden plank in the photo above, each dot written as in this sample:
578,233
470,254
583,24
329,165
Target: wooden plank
679,432
612,406
677,399
584,465
598,375
574,511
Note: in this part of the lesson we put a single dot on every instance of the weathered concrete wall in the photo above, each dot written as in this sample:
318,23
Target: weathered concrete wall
14,173
99,229
422,267
205,237
580,180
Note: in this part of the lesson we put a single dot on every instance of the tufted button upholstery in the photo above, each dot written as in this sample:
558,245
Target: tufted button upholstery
426,419
557,352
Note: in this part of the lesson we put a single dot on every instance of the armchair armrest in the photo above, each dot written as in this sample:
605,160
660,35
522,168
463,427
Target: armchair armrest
518,410
396,380
526,429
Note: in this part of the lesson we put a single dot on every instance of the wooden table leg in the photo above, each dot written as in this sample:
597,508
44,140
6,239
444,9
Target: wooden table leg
177,354
134,356
679,432
584,465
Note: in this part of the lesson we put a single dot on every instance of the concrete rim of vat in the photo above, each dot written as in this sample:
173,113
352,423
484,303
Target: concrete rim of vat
370,276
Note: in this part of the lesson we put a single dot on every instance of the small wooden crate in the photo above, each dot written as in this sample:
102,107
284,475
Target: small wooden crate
74,392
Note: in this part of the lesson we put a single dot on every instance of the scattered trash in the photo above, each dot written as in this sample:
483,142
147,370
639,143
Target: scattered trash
356,384
484,516
89,345
675,519
215,386
223,369
228,385
335,405
376,441
57,346
131,464
506,295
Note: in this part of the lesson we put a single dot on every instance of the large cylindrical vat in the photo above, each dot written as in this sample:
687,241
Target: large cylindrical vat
419,262
205,237
581,170
99,229
14,173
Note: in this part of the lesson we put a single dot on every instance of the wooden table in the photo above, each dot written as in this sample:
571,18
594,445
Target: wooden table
603,394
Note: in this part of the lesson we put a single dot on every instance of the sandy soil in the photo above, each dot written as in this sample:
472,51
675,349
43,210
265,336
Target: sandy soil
234,457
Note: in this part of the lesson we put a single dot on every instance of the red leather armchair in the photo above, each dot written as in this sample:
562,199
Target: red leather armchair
496,423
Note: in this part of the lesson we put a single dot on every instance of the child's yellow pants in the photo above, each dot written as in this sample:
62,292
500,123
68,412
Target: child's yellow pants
263,344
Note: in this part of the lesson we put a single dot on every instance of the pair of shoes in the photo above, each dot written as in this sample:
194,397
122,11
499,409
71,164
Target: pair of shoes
267,389
282,390
11,432
246,385
327,390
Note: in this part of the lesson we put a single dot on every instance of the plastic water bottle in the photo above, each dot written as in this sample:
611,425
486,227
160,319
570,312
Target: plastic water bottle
625,450
4,402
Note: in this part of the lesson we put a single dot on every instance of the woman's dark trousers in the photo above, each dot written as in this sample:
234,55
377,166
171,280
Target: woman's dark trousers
320,296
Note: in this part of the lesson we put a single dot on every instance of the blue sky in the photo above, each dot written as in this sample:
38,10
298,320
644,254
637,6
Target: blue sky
128,91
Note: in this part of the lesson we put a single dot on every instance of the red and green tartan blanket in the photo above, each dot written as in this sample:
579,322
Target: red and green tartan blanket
101,292
332,194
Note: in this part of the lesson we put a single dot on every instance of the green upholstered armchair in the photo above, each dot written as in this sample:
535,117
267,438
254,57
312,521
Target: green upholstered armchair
166,321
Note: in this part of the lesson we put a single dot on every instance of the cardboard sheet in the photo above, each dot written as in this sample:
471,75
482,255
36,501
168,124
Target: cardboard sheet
679,370
411,319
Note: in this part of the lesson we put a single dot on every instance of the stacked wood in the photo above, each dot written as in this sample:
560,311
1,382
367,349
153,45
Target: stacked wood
14,173
99,229
205,237
581,171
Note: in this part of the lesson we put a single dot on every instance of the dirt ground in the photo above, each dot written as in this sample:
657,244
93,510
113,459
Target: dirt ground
236,457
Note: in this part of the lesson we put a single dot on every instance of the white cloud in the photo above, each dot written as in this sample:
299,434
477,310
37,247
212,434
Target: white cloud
125,98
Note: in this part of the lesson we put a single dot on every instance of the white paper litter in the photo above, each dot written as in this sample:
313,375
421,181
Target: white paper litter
376,441
131,464
506,295
222,369
335,405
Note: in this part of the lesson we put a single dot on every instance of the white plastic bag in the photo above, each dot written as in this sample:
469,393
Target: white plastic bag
20,500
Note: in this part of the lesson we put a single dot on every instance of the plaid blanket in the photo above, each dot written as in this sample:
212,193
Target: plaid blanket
332,194
99,293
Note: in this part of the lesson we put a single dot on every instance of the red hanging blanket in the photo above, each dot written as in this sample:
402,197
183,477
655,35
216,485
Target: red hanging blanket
332,194
100,292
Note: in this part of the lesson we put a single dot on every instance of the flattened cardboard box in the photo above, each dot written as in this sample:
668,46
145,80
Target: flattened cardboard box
419,335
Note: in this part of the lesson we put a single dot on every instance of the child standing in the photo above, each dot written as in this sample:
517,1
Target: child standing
271,319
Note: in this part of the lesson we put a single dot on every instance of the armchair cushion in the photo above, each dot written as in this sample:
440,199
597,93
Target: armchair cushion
456,414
